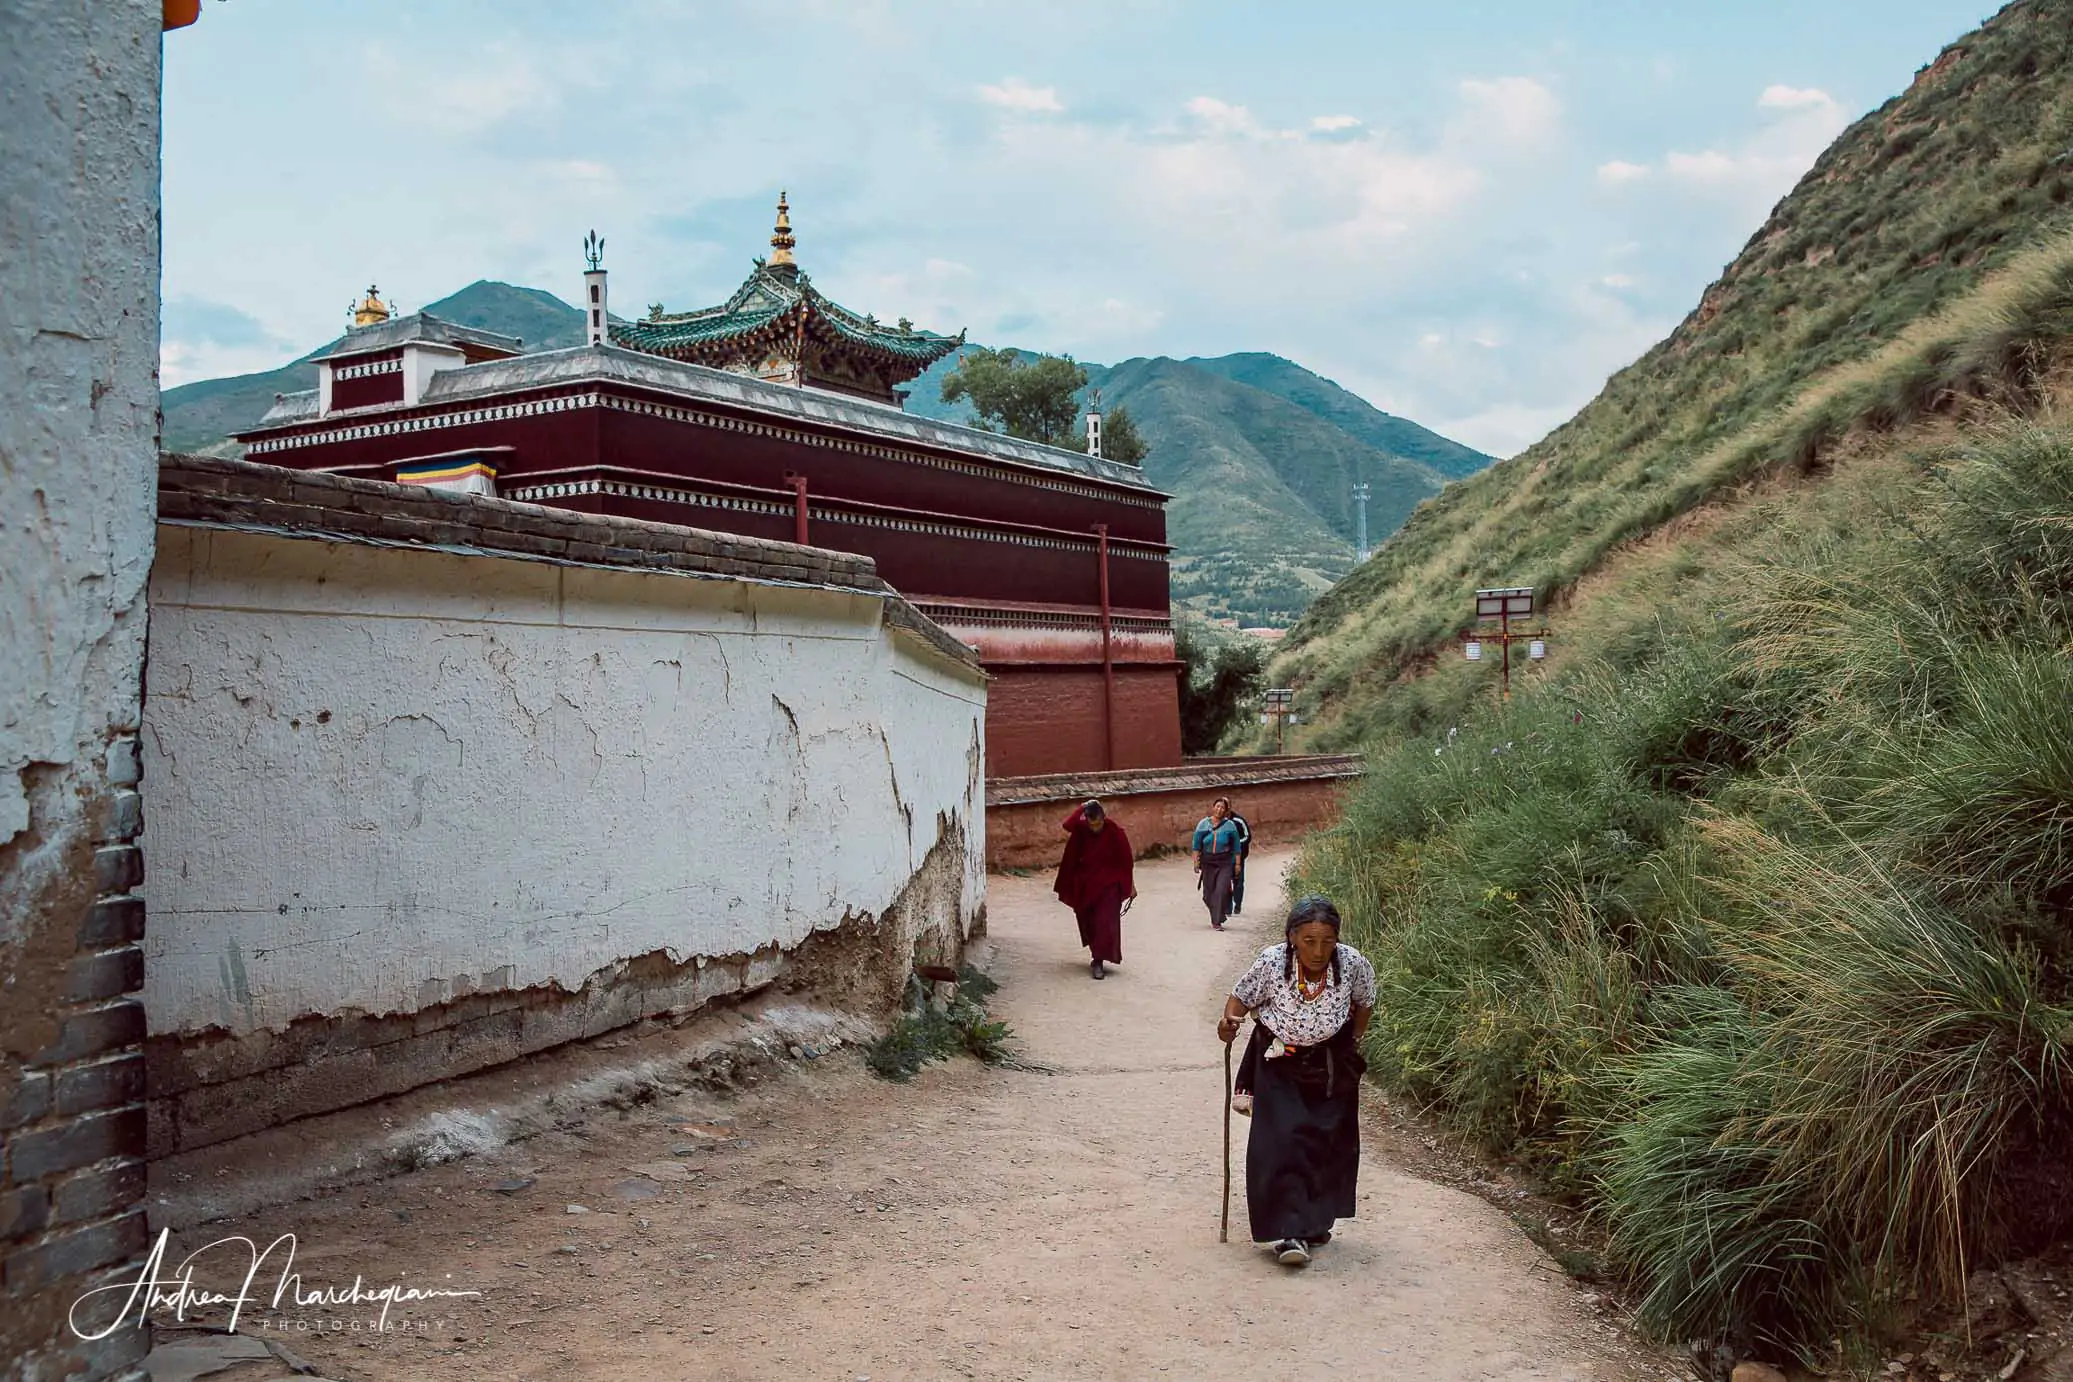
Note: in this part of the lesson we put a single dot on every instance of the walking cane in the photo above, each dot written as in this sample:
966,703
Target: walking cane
1223,1230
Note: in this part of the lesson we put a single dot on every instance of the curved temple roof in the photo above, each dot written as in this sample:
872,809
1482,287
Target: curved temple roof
776,301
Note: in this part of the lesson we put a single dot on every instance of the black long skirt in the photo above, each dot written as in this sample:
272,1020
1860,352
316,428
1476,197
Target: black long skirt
1216,886
1302,1156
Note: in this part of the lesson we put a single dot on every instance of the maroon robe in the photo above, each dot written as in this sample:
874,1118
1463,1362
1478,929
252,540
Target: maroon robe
1095,878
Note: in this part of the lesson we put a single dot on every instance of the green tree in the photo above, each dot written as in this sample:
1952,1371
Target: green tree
1035,398
1220,676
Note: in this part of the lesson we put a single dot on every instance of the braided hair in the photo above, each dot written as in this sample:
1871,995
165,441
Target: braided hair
1309,909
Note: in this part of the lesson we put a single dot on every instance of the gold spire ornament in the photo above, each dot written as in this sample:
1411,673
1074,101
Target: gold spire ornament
781,241
370,311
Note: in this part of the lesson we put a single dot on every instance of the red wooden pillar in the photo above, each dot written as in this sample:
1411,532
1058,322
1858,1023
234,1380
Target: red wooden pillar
1108,660
798,508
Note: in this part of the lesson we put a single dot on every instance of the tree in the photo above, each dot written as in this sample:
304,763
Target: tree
1037,401
1218,678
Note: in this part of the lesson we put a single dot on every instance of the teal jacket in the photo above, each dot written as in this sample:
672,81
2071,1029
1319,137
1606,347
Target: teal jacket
1218,839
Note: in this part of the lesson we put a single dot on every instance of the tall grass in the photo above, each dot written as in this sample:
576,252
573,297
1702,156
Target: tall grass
1761,946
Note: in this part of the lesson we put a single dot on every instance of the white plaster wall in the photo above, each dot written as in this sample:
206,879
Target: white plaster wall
378,779
79,88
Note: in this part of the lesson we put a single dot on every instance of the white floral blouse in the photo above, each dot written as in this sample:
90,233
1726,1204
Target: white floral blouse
1280,1005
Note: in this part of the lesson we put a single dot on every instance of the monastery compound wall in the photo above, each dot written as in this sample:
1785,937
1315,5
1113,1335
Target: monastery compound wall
79,88
443,780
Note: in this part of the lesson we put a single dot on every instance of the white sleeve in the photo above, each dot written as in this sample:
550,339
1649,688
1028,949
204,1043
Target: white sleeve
1360,979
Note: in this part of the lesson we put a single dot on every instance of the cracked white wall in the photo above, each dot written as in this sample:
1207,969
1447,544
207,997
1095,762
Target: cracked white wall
379,779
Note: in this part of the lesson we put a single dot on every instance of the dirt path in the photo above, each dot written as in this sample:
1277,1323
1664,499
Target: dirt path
977,1223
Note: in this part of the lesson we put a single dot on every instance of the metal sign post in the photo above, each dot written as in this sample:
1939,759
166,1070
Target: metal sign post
1279,703
1504,604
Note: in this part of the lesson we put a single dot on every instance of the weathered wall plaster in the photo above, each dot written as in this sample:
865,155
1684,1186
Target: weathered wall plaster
385,782
79,91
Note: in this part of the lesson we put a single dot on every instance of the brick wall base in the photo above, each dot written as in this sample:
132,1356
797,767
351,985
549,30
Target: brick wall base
1281,799
72,1111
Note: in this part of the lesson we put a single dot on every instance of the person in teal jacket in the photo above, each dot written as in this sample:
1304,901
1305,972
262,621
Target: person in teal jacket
1217,859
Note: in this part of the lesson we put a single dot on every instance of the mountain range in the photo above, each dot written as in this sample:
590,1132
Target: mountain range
1260,454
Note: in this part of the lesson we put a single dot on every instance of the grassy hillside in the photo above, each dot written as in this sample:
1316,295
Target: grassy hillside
1858,301
201,415
1749,922
1761,948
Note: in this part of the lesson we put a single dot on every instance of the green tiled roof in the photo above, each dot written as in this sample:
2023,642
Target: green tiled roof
778,298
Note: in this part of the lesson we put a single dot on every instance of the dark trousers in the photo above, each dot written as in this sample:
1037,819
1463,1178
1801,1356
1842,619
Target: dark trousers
1216,885
1238,884
1101,925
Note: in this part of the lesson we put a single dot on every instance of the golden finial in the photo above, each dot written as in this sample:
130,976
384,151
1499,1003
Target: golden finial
371,311
781,240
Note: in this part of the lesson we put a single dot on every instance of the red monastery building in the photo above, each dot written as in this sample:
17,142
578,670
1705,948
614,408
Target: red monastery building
778,414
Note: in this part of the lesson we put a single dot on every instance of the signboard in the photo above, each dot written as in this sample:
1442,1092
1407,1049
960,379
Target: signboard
1278,699
1513,602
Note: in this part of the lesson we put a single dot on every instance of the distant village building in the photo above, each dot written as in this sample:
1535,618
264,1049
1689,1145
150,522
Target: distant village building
778,414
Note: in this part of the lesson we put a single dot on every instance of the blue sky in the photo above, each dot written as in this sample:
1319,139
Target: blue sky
1470,213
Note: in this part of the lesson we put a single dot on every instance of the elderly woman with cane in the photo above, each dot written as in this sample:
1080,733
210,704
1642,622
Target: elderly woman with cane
1311,998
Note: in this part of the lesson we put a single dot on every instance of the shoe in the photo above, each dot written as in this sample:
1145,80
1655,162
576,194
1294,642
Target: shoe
1241,1104
1097,971
1216,926
1290,1252
1320,1240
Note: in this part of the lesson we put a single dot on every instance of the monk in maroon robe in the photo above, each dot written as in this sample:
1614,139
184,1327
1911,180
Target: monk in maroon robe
1095,880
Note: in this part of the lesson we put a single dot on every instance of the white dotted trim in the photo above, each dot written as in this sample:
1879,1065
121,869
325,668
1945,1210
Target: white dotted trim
695,499
529,408
394,366
1048,620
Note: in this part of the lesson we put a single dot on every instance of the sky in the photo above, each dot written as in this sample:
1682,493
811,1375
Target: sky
1470,213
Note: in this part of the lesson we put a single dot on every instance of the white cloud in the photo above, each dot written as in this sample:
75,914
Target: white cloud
1506,428
1512,110
1753,173
1017,94
1332,124
1618,281
1619,171
1793,98
1221,116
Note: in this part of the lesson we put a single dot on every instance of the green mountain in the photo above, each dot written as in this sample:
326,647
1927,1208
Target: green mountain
201,416
1261,457
1262,517
1349,412
1260,454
